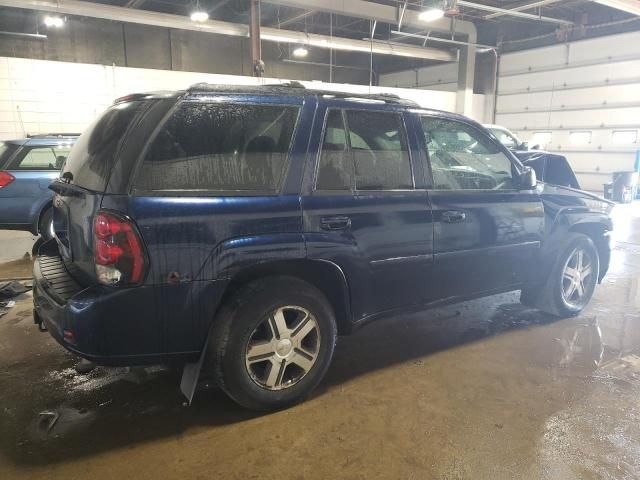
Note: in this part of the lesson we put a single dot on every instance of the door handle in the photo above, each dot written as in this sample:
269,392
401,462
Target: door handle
453,216
335,223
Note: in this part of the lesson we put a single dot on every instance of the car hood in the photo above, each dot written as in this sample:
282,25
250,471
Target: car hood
570,197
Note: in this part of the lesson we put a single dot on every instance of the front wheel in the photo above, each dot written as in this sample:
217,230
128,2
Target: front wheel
575,275
272,342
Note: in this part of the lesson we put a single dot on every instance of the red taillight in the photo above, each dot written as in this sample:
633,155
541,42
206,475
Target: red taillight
5,179
119,252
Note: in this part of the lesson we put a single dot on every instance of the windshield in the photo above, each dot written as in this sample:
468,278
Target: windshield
505,137
92,157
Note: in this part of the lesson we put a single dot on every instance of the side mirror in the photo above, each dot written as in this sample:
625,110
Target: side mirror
524,146
536,147
528,180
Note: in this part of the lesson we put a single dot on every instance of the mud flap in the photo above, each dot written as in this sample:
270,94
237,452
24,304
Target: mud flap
191,375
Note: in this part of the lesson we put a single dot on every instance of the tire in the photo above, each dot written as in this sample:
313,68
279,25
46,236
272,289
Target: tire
566,294
289,326
45,225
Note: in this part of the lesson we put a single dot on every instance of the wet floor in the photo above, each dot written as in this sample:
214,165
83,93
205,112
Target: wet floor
486,389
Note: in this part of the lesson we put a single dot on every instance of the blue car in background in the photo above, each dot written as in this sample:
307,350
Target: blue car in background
27,166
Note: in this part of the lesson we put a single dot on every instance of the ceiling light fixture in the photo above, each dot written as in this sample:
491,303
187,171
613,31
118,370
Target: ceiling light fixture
431,15
57,22
300,51
199,16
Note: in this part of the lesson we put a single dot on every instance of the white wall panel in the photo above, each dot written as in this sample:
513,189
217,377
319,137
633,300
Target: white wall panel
39,96
533,59
554,120
613,94
440,77
591,84
568,77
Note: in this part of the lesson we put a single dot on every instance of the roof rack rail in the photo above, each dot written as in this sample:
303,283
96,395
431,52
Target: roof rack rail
50,135
295,88
390,98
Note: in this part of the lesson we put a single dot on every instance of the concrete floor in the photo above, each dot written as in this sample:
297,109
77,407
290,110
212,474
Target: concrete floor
483,390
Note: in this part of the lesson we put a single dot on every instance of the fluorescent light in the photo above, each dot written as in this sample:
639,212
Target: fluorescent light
56,22
580,138
199,16
431,15
624,137
300,51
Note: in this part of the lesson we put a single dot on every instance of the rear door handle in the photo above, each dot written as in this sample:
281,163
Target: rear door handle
335,223
453,216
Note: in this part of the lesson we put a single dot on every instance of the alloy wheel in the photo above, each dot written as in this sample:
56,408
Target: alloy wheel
577,278
283,348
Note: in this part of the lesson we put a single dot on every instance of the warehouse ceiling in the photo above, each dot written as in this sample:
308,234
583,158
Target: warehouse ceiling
561,20
510,25
578,15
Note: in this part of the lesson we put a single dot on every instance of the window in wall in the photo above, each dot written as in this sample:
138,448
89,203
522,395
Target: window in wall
540,139
582,137
44,158
624,137
205,146
463,158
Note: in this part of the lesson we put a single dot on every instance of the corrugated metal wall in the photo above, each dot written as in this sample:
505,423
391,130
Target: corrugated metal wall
581,99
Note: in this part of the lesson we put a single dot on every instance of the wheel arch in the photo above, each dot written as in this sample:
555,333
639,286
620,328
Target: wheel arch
598,232
35,224
326,276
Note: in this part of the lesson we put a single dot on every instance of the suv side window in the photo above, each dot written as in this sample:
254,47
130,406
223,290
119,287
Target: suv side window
462,158
335,171
44,158
373,155
220,147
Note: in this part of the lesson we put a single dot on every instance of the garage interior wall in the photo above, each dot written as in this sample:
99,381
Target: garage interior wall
42,96
580,99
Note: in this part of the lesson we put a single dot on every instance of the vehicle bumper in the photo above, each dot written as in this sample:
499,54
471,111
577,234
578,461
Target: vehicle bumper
128,326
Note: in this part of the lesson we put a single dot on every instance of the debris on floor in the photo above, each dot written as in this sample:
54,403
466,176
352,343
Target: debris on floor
12,289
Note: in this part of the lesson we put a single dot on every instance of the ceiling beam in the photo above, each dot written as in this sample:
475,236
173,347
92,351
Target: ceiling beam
629,6
522,8
380,12
269,34
528,16
294,18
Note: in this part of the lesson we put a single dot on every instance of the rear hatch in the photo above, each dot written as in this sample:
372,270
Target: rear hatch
83,182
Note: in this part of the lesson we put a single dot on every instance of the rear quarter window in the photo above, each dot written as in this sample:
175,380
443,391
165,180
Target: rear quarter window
214,147
44,158
92,157
6,152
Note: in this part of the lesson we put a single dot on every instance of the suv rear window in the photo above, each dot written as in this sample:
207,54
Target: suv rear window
220,147
92,157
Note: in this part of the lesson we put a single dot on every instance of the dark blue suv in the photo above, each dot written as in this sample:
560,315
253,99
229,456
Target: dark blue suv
245,228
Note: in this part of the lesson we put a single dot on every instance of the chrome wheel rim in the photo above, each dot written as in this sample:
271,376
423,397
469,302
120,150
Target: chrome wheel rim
577,277
283,348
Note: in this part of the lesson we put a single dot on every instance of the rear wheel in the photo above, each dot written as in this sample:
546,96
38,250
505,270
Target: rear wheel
272,343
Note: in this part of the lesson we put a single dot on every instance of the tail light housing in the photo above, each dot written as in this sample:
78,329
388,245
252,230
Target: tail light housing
119,252
6,178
